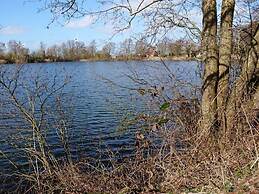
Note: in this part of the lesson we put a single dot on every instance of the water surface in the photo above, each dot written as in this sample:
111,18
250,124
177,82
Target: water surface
99,96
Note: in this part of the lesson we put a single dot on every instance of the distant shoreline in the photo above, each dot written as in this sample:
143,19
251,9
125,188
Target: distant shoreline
3,62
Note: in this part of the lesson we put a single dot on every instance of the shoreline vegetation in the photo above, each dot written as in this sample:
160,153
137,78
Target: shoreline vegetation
183,58
2,61
73,50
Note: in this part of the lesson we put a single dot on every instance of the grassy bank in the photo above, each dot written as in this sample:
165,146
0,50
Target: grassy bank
185,161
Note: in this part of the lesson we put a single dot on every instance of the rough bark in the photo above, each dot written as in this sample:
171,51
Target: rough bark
225,50
248,73
210,77
256,98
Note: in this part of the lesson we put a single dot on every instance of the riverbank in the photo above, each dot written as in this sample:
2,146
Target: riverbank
193,170
157,58
2,61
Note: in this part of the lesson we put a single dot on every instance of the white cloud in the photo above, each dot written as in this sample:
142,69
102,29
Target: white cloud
81,23
12,30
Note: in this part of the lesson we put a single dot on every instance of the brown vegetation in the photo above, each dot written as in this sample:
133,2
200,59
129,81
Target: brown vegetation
185,161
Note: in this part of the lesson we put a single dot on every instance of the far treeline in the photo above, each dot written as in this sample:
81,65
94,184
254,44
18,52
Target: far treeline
74,50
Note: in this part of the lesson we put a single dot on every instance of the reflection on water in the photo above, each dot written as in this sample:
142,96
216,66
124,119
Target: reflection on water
100,95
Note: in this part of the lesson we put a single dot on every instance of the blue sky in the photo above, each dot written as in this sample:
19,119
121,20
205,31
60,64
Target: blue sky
20,20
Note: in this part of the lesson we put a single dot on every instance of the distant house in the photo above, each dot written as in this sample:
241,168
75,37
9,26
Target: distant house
151,52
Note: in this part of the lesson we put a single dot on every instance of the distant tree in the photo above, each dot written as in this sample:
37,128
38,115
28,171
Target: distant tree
42,50
92,48
17,53
126,47
163,47
2,50
80,50
71,50
177,48
141,47
191,49
39,55
54,53
108,49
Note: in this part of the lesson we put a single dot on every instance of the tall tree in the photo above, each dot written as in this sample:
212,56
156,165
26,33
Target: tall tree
249,73
225,53
210,77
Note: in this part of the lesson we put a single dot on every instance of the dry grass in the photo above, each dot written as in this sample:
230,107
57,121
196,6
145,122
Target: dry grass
185,161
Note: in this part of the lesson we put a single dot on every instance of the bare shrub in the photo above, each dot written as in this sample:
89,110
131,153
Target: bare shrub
172,154
34,101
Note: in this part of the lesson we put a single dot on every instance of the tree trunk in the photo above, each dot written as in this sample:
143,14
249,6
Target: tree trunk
256,100
225,50
248,73
210,56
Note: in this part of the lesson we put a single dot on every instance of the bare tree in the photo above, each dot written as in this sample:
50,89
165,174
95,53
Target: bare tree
210,77
141,47
32,102
17,53
126,47
2,49
92,48
109,48
225,51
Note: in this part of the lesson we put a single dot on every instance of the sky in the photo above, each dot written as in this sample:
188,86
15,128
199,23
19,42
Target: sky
21,20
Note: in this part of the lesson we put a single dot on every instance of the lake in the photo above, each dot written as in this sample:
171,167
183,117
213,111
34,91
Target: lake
98,98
